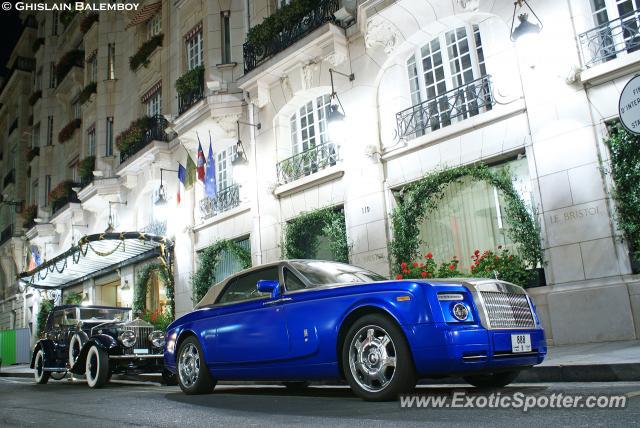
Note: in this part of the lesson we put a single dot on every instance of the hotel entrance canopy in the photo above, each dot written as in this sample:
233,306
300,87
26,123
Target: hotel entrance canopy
96,255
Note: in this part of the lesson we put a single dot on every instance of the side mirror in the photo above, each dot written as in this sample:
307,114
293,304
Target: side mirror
269,286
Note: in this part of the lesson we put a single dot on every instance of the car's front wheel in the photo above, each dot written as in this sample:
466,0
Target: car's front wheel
97,367
492,380
376,359
193,375
39,374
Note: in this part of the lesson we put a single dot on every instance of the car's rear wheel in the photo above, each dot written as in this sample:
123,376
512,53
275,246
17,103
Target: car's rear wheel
39,374
492,380
376,359
193,375
97,367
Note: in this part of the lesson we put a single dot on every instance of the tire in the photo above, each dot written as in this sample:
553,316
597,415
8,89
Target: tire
75,346
39,374
376,359
168,378
492,380
297,386
193,374
97,367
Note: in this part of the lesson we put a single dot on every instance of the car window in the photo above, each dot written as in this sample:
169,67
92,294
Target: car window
319,273
58,317
292,282
70,316
246,286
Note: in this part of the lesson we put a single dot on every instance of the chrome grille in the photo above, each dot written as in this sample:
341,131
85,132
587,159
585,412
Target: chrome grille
507,310
142,336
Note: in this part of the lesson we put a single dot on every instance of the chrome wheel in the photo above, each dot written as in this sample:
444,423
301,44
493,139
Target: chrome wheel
189,365
372,358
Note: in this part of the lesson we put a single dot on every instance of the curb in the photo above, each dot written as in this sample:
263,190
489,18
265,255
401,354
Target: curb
627,372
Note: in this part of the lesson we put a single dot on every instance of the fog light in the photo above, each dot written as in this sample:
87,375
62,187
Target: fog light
460,311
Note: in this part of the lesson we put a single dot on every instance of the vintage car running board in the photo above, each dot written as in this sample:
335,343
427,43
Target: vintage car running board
134,357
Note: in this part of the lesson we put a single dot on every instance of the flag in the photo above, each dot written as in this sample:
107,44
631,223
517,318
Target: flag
201,162
210,180
34,258
182,177
190,178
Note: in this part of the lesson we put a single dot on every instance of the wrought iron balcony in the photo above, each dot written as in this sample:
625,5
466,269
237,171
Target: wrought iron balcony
308,162
10,178
605,42
156,228
155,132
6,234
225,200
258,52
190,97
59,204
455,105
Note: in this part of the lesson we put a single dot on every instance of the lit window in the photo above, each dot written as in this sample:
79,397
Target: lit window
224,167
194,48
154,26
111,61
309,124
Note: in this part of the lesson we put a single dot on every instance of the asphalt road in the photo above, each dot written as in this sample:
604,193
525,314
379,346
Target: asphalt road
121,403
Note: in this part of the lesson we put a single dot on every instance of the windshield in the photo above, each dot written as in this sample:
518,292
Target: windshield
112,314
324,273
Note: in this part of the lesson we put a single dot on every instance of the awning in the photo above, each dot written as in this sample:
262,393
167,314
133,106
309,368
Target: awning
145,14
97,254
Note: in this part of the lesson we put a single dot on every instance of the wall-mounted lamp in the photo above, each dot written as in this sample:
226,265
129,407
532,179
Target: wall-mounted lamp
337,114
110,228
125,286
241,154
524,27
161,201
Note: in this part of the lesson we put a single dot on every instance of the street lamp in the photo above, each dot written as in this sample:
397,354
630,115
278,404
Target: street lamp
161,204
110,227
524,28
336,115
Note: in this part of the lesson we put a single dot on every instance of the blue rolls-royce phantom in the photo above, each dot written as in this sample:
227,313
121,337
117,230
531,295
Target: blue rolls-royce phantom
302,320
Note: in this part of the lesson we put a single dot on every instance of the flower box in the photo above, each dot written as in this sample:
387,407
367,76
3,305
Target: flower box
69,129
142,56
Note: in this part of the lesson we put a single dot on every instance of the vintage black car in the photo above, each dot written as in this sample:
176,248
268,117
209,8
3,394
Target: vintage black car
97,341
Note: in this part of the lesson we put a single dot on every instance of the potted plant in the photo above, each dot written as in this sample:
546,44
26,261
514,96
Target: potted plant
134,134
69,129
142,56
191,81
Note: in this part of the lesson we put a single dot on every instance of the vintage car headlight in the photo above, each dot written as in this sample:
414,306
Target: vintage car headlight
157,338
127,338
460,311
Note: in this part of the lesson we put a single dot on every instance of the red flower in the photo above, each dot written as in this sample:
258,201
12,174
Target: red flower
403,265
510,257
415,264
476,252
497,258
429,275
452,267
429,255
423,274
398,276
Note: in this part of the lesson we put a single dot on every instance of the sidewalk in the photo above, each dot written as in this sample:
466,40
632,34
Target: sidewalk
597,362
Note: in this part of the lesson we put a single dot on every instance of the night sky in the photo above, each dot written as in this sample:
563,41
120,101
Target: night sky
10,29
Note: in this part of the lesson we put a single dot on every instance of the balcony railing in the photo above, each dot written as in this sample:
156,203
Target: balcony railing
308,162
6,234
59,204
10,178
457,104
188,98
605,42
225,200
258,52
156,132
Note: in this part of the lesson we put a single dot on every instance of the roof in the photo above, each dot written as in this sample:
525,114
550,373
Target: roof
94,255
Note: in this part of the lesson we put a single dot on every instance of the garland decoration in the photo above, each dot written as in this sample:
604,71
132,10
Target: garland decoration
204,278
301,235
419,199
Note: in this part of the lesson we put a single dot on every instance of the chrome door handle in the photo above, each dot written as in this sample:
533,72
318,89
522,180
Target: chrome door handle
273,302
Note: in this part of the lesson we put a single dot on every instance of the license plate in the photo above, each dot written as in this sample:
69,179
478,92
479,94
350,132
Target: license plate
140,351
520,343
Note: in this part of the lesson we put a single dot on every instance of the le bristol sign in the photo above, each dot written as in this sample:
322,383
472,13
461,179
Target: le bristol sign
629,106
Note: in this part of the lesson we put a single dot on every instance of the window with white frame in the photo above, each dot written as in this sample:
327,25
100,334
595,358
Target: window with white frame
154,26
91,141
447,81
309,124
617,29
77,109
111,61
194,46
226,37
224,169
154,104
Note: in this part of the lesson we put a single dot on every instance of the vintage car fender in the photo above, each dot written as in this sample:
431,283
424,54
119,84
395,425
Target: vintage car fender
103,341
49,353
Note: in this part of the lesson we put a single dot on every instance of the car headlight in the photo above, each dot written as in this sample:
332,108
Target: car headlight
127,338
460,311
157,338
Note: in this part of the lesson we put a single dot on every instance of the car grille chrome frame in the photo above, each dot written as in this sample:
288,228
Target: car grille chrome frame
503,306
142,337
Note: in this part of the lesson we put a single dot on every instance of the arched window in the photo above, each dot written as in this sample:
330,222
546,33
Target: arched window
448,82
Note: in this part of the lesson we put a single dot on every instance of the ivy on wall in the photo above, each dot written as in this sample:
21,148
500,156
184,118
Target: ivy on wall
73,298
625,170
46,306
142,281
421,198
204,278
301,235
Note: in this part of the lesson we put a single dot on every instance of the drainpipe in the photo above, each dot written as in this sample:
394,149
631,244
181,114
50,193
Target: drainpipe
252,143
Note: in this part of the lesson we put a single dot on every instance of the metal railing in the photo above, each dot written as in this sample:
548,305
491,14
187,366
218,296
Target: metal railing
189,98
156,132
257,53
226,199
156,227
457,104
308,162
6,234
606,41
10,178
59,204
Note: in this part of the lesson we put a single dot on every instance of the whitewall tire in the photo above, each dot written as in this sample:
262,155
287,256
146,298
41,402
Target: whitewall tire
39,374
97,367
75,346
